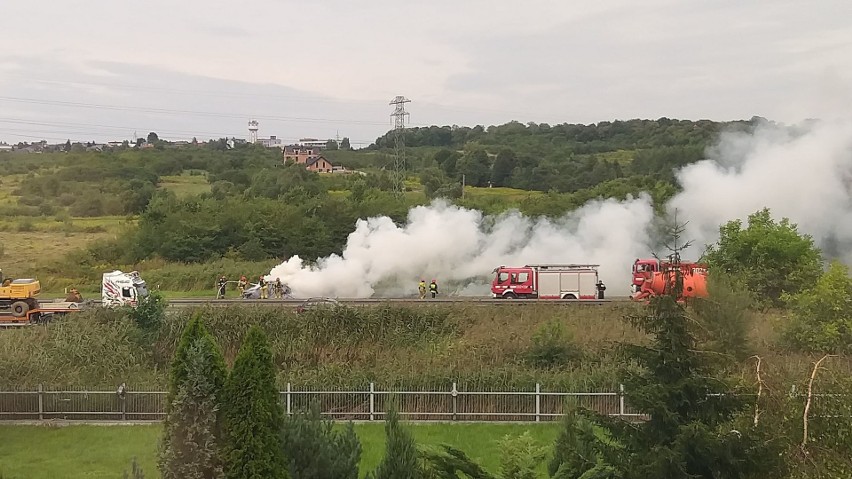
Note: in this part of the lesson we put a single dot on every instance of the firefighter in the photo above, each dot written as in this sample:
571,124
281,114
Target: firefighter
74,296
242,284
279,288
422,288
601,288
220,292
433,288
264,288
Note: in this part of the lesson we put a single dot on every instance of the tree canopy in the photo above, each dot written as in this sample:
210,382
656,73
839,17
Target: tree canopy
771,258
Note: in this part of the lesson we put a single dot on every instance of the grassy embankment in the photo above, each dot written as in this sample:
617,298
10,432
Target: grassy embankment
479,347
104,452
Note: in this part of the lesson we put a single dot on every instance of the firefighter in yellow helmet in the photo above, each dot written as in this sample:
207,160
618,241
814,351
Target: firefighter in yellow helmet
242,284
422,288
264,288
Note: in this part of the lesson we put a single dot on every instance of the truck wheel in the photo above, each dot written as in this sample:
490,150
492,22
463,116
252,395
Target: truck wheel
570,296
510,296
19,309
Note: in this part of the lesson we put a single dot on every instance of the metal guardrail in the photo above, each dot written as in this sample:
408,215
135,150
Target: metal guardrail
369,405
186,302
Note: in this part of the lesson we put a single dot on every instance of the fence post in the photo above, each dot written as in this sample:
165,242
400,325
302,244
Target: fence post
123,406
621,401
288,398
372,400
455,394
40,402
537,402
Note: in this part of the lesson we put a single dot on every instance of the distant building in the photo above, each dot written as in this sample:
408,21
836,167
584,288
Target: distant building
299,154
313,143
320,165
270,142
6,147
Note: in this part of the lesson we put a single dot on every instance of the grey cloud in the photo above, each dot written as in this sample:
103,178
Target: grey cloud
133,93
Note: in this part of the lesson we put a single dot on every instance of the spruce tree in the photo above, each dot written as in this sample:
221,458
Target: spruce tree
691,409
253,414
689,432
191,443
315,449
191,449
193,331
401,460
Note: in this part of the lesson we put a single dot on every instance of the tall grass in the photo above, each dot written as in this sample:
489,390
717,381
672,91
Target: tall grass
409,347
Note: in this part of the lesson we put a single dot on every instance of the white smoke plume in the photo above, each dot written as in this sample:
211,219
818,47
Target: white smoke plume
458,245
802,173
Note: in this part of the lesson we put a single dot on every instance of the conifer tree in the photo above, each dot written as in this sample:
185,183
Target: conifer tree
315,449
191,445
689,432
253,415
191,449
401,460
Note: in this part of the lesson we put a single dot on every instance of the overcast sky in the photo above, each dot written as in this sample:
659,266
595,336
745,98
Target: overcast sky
102,69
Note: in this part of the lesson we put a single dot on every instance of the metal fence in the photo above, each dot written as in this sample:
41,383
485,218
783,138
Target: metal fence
536,405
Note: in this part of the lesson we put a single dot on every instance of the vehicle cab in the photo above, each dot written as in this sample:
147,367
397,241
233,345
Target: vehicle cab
513,282
643,269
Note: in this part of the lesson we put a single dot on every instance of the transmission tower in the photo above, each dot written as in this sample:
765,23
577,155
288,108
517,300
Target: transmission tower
399,114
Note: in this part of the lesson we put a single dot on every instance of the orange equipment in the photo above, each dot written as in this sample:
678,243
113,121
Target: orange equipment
657,283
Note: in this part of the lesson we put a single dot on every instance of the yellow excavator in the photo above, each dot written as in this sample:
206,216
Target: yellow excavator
18,295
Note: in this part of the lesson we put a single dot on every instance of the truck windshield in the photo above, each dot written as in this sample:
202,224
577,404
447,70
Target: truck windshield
502,277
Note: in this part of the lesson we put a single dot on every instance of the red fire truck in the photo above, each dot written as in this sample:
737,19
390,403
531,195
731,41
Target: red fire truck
548,281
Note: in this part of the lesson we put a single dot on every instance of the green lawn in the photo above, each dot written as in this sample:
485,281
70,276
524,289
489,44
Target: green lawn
105,451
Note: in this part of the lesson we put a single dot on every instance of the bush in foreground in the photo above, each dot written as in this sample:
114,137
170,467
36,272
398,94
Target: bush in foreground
253,414
315,450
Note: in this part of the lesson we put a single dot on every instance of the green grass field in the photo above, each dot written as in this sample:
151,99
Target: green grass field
90,452
185,184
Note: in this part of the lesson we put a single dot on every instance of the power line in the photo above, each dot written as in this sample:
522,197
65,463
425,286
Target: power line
167,111
220,93
80,126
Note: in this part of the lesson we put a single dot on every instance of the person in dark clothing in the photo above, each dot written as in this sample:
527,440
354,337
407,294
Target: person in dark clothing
433,288
601,288
220,293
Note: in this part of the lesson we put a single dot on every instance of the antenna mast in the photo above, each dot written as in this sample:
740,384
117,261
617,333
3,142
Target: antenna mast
399,115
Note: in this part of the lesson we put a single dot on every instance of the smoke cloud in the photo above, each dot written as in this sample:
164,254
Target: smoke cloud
803,173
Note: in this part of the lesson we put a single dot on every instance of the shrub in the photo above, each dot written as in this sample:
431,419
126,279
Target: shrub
520,457
149,313
315,450
26,225
552,346
822,315
724,317
135,471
